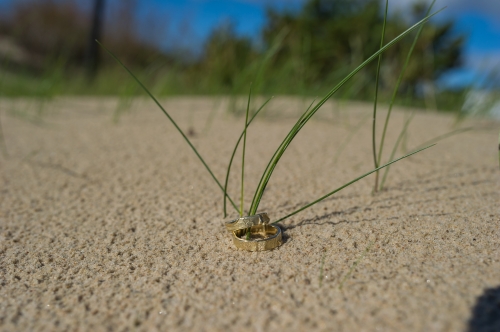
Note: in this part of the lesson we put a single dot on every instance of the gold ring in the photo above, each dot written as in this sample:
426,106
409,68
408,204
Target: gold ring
247,222
262,237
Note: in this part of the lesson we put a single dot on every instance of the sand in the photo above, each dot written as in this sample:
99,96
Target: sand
117,226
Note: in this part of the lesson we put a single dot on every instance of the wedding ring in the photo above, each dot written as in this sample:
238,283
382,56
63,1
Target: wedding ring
262,237
247,222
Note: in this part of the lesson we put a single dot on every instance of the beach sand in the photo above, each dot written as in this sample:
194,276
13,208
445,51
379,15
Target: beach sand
117,226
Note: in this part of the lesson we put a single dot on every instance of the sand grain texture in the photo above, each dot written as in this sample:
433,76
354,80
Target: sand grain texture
118,227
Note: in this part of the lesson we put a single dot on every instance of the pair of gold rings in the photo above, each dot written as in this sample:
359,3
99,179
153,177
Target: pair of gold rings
254,233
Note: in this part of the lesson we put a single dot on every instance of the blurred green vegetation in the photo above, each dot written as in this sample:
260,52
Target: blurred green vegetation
43,43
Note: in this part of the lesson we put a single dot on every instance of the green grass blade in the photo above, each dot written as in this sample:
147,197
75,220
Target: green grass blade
234,153
442,137
499,150
275,155
431,141
394,93
308,114
348,184
171,120
243,154
374,124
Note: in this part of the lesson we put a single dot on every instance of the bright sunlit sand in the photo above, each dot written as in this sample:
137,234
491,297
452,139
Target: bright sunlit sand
118,226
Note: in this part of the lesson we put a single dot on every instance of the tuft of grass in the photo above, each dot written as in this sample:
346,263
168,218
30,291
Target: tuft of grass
301,122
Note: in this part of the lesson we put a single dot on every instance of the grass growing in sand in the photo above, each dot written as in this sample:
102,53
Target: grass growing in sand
301,122
234,152
242,211
377,155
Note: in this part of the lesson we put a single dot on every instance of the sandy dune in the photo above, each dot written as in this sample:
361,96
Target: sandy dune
108,226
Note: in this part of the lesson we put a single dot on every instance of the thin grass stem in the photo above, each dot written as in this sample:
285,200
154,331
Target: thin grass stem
243,155
394,93
171,120
243,162
374,124
443,136
234,153
269,164
308,114
348,184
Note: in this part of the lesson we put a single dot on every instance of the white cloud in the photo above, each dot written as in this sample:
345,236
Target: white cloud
489,8
483,61
454,8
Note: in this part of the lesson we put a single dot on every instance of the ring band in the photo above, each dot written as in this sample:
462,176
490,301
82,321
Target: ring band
247,222
262,237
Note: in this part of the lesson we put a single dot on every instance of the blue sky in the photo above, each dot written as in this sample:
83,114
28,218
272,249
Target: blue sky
190,22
